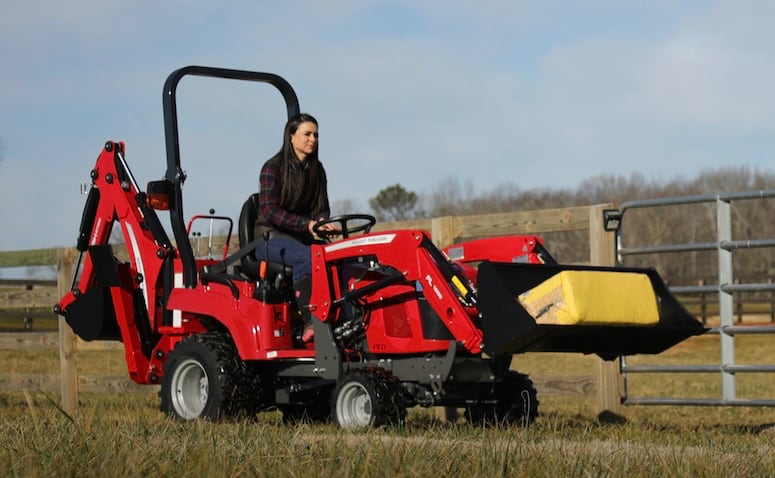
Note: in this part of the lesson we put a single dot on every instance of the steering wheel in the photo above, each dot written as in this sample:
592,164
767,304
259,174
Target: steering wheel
342,221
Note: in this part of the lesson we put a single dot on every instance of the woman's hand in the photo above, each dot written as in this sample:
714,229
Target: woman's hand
330,228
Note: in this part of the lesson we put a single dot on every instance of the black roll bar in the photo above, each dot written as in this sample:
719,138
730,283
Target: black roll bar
175,175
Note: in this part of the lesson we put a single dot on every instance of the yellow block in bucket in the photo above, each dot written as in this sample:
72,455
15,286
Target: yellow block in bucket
593,298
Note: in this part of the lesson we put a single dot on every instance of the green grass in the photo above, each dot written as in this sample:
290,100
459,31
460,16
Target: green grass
125,434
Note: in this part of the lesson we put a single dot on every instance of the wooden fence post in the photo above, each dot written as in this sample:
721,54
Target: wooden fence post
772,303
703,303
738,302
602,253
443,235
67,339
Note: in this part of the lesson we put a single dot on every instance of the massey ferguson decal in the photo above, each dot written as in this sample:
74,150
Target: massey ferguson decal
362,241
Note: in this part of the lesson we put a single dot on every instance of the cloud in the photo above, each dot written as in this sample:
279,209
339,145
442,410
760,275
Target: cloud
699,82
535,94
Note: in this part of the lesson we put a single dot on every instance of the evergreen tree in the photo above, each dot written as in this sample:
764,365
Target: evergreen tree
394,203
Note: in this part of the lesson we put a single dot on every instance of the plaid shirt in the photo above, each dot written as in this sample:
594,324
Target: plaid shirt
270,187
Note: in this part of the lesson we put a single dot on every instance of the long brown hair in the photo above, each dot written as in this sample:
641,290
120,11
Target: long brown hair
303,182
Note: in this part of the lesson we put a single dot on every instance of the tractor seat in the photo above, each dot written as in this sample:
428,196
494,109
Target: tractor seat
250,265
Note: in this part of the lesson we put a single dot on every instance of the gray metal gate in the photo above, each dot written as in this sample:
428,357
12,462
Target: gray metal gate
725,287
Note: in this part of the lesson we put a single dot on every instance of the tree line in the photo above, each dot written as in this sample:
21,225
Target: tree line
695,223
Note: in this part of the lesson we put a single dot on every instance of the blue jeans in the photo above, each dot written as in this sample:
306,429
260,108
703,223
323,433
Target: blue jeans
290,252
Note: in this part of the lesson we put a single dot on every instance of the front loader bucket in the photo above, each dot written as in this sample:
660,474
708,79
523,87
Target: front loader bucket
509,328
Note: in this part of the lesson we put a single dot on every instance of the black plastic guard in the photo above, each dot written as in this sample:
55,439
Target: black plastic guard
508,328
92,316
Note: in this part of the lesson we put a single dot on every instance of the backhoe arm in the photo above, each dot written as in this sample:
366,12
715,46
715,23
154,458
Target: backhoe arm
110,299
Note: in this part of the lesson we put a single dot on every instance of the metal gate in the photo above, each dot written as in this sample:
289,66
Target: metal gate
724,246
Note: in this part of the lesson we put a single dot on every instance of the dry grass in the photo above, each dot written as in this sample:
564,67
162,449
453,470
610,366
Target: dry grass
126,435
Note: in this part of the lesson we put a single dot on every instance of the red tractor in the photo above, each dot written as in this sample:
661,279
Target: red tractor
399,322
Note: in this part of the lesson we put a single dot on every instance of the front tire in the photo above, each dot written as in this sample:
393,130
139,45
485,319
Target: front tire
367,398
204,378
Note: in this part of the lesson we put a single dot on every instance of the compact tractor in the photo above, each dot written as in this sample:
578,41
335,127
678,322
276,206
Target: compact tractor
398,322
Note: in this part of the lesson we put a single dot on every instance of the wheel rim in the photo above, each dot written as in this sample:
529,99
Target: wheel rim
353,406
190,388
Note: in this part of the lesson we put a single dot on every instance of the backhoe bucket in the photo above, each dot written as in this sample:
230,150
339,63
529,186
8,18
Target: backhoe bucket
593,310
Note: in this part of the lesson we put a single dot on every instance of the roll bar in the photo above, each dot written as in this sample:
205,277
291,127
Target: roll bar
175,175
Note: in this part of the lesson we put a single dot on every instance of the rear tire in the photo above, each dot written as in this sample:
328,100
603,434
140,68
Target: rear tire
367,398
517,403
205,378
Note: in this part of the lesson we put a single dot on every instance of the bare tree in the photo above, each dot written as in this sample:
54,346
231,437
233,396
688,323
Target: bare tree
345,206
695,223
449,198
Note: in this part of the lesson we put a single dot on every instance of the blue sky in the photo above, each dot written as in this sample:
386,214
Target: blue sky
492,94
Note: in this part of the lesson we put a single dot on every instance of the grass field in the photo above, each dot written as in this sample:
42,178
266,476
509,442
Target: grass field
125,434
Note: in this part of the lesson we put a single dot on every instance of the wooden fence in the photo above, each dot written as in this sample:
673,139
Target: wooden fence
49,341
755,303
445,231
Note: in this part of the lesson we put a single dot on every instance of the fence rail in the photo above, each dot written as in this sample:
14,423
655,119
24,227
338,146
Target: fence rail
53,384
754,299
49,341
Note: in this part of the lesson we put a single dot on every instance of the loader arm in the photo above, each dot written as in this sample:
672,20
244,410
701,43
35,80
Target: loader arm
110,299
411,254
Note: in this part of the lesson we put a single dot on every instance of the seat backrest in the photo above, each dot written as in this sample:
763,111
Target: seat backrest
250,265
245,226
247,220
